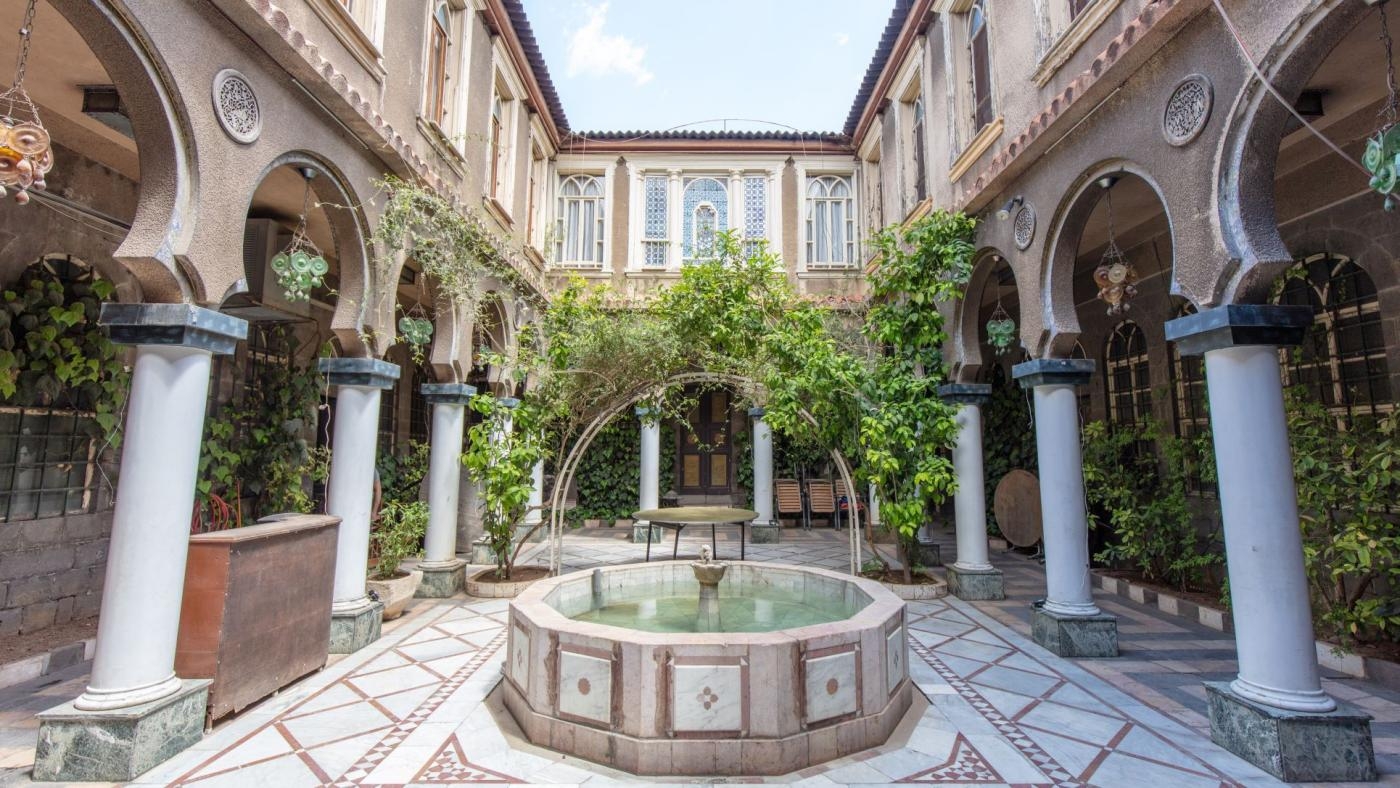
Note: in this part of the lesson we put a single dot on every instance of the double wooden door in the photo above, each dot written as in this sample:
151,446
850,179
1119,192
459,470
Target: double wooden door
705,456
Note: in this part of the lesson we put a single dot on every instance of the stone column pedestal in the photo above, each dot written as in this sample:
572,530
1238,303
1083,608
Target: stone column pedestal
765,533
355,618
972,575
975,584
1069,624
1275,713
442,574
135,712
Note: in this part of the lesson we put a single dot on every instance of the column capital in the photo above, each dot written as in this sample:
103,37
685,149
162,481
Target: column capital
369,373
966,393
646,411
1053,372
757,412
173,325
509,403
447,393
1234,325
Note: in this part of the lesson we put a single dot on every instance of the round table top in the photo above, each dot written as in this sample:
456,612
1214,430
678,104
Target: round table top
695,515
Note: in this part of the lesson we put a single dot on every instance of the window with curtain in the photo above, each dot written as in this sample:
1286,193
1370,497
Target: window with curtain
436,103
979,54
1190,409
705,206
831,239
580,242
1126,375
1342,361
656,198
920,178
498,147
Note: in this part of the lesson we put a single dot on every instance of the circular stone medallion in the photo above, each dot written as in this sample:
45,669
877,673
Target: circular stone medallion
1187,110
1024,227
236,106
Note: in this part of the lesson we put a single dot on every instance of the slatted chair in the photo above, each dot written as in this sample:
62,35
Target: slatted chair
789,497
821,501
844,501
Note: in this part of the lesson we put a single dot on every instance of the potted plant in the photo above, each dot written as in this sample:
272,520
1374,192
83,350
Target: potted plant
396,537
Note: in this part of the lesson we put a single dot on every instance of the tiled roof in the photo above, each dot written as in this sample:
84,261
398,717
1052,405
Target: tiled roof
521,23
877,64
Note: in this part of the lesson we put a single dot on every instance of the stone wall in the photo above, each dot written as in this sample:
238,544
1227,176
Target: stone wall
51,570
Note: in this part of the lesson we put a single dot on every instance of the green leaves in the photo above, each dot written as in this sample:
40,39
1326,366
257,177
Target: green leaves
398,534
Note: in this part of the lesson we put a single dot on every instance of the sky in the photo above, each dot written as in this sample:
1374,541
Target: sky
656,64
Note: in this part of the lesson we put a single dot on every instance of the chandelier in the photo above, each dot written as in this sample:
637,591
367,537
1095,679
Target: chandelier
1115,276
26,154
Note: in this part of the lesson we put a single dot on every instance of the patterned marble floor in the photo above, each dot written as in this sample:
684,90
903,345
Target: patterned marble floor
412,709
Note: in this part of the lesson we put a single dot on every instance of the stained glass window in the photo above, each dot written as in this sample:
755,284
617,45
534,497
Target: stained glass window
581,222
831,239
699,225
755,211
656,198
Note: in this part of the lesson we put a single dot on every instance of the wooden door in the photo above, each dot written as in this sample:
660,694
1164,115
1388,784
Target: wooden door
705,455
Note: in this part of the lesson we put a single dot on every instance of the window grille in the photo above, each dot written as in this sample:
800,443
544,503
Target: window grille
705,211
418,412
656,243
1126,376
580,222
830,223
388,421
755,212
1190,408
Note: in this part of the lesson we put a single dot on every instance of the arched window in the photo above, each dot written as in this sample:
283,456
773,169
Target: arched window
1190,409
831,232
920,178
705,203
1126,375
436,104
580,242
1342,361
979,61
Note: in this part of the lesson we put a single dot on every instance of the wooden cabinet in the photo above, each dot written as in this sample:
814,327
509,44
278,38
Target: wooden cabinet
256,613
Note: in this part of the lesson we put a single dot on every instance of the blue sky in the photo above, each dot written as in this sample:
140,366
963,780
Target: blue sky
655,64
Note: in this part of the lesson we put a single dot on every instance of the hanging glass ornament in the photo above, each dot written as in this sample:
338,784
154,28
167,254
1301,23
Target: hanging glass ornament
417,331
1382,156
26,155
300,267
1001,330
1115,276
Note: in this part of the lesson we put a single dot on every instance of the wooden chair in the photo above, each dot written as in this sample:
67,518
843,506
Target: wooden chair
789,497
844,500
821,501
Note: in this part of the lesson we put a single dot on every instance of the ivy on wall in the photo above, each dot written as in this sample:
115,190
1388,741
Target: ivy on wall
609,474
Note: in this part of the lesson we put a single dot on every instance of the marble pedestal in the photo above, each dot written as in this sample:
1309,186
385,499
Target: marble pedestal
766,533
1075,636
441,581
355,629
1294,746
481,553
928,554
119,744
639,534
975,584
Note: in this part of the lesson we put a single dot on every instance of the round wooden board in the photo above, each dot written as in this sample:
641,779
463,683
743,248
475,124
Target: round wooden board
1017,507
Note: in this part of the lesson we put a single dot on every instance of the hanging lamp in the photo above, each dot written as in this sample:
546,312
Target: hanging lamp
1115,276
300,267
1001,329
26,153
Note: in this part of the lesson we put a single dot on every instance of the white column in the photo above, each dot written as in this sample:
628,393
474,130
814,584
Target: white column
970,500
141,595
736,200
444,482
1068,590
874,506
649,494
1263,542
763,468
350,492
673,218
534,514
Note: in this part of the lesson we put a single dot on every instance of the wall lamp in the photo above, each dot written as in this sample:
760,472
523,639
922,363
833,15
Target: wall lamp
1010,207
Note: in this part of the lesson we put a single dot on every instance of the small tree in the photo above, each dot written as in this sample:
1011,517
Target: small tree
501,456
907,429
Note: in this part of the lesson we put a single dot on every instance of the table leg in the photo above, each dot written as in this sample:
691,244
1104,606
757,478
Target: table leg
742,528
714,545
648,543
676,547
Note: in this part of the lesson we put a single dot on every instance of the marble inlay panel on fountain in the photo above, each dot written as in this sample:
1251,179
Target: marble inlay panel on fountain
708,698
831,684
585,686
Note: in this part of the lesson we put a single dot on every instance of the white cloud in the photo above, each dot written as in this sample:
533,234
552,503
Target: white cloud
596,53
842,39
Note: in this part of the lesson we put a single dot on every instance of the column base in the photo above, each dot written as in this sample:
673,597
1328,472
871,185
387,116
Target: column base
765,533
928,554
639,534
441,581
1294,746
355,629
481,553
118,745
1075,636
975,584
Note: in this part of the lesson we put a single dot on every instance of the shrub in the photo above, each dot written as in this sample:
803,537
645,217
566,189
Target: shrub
398,535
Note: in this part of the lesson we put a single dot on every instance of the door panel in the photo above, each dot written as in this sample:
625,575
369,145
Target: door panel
704,455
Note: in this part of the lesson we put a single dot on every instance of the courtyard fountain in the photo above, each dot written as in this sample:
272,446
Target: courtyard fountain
706,667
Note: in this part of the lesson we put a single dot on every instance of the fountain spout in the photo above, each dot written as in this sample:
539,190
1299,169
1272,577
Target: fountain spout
708,573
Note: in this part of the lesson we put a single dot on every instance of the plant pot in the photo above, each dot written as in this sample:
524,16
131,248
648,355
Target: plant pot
396,592
623,522
484,584
592,523
917,591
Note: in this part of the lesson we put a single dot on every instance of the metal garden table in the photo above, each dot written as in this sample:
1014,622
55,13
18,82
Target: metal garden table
678,517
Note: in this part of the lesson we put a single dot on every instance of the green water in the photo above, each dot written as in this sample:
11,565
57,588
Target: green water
736,614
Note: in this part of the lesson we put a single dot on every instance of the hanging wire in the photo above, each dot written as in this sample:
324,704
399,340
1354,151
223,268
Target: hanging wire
1392,104
16,95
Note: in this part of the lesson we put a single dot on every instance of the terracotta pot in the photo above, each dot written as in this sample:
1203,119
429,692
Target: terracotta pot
921,591
478,586
396,592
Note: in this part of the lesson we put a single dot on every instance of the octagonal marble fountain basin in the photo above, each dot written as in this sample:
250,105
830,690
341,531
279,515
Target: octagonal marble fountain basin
596,668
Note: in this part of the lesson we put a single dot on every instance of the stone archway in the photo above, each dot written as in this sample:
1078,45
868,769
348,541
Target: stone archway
564,475
969,321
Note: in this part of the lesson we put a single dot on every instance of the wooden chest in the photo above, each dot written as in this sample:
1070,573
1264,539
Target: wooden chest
256,614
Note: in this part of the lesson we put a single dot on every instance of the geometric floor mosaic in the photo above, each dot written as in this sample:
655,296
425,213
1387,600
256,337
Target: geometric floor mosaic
412,709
